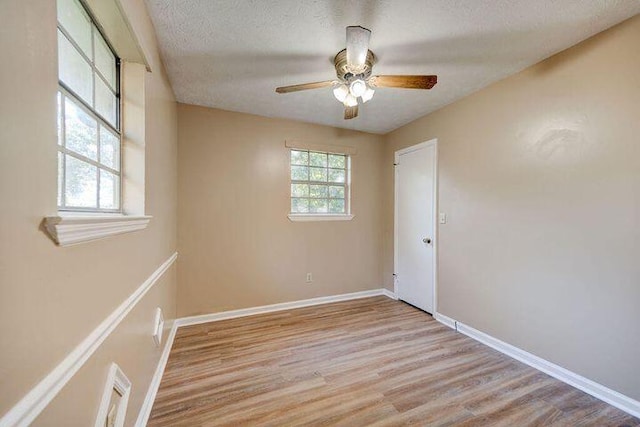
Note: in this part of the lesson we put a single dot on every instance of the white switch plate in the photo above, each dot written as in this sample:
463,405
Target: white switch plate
443,218
117,385
309,277
158,326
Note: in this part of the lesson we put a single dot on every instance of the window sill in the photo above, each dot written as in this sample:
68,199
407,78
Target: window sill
308,218
72,228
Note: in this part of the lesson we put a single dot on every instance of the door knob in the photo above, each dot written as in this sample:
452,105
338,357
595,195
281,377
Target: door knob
426,240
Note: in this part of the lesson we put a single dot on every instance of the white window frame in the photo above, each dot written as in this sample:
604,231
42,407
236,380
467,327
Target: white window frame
66,92
70,227
321,216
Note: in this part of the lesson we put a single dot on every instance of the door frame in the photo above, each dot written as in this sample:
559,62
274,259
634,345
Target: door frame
434,215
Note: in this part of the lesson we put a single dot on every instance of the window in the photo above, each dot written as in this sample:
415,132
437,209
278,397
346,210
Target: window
319,183
89,139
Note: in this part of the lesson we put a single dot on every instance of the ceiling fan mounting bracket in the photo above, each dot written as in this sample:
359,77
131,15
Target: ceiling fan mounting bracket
345,73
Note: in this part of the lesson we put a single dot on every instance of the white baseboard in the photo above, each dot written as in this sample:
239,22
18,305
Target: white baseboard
147,405
386,292
145,410
599,391
596,390
447,321
34,402
232,314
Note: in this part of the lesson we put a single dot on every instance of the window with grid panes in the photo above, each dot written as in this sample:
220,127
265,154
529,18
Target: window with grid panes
89,140
319,183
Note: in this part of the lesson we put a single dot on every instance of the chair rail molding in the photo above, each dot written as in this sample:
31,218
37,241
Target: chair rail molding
34,402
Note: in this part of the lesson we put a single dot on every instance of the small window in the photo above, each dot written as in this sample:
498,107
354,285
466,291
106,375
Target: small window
89,139
319,183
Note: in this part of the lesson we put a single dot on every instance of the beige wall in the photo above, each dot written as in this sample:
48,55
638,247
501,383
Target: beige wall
539,177
51,298
540,180
237,246
131,347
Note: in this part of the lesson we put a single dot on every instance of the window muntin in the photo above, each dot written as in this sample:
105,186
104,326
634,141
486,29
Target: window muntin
319,183
89,139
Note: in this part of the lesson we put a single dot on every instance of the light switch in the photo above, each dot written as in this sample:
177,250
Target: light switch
443,218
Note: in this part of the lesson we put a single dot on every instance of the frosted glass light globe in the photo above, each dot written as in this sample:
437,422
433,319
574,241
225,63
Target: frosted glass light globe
341,92
357,87
368,94
350,101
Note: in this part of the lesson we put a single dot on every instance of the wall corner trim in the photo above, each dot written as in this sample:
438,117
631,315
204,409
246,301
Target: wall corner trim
34,402
596,390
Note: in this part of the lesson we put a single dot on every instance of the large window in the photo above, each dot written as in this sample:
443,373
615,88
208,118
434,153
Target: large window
89,140
319,183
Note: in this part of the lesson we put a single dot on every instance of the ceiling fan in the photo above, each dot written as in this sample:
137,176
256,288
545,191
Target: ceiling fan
353,67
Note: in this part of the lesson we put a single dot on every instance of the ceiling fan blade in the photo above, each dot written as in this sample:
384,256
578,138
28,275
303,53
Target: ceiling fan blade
304,86
357,47
405,82
350,112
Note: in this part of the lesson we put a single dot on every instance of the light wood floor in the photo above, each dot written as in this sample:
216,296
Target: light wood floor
368,362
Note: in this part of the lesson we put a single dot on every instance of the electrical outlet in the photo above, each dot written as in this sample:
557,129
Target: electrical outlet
309,277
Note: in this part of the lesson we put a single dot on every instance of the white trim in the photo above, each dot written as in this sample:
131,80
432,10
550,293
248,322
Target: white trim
434,214
114,20
395,222
152,391
416,147
71,229
387,293
307,218
596,390
321,147
599,391
447,321
30,406
224,315
116,380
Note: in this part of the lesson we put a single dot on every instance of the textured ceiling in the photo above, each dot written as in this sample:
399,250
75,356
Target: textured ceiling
232,54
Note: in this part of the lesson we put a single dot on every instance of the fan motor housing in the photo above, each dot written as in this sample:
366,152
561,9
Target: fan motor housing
343,71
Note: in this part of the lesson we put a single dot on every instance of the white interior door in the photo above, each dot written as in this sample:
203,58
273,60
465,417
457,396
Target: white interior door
414,225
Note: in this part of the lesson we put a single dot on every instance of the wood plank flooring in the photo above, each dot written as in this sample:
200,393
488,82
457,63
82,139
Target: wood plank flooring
367,362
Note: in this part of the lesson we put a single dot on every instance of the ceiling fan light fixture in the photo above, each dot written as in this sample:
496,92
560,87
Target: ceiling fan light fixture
357,87
350,101
340,92
368,94
354,82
